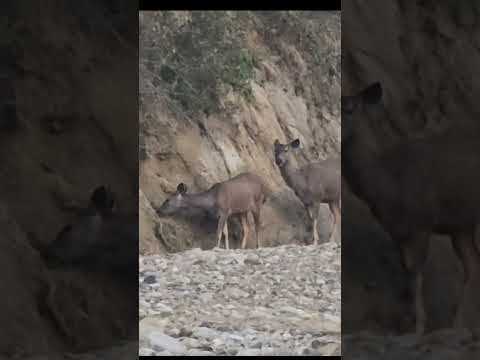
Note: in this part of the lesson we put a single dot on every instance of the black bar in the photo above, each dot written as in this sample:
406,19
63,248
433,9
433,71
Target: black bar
243,5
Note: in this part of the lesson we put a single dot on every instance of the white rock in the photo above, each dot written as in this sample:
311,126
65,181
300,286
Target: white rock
326,350
200,353
252,259
235,337
151,323
204,333
161,342
191,343
162,310
146,352
206,297
249,352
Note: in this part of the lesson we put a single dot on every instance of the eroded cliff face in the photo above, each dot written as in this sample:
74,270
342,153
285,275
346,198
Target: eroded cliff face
425,54
69,133
267,76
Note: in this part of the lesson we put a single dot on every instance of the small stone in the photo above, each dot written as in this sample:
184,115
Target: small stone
235,337
150,279
146,352
173,332
206,297
294,311
162,310
191,343
184,332
316,344
162,342
216,343
318,326
196,352
326,350
235,293
249,352
256,345
204,333
151,323
252,259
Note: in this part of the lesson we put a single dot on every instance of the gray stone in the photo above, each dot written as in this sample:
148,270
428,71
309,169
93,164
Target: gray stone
191,343
162,310
146,352
252,259
150,279
204,332
249,352
200,353
326,350
162,342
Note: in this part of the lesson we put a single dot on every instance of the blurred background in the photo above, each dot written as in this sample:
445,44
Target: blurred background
69,109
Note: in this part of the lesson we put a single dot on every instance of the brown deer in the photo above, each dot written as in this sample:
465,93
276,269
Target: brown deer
315,183
240,195
414,188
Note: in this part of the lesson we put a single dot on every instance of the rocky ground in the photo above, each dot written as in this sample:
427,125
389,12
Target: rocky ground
446,344
281,300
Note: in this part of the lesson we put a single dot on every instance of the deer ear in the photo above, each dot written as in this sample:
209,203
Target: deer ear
276,143
181,188
295,143
99,196
102,198
372,94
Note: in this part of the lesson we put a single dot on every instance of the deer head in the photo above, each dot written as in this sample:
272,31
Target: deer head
282,151
175,202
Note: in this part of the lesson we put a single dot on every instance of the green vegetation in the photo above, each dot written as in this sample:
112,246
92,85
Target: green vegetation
193,59
192,56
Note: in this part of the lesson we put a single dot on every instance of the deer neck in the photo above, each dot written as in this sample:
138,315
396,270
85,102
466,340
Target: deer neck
204,200
365,174
290,175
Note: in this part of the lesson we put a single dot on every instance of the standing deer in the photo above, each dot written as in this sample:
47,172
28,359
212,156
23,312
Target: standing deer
239,195
315,183
414,188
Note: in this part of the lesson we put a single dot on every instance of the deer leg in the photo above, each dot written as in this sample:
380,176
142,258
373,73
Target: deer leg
225,231
312,214
315,233
414,254
335,210
245,229
256,217
220,228
467,252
